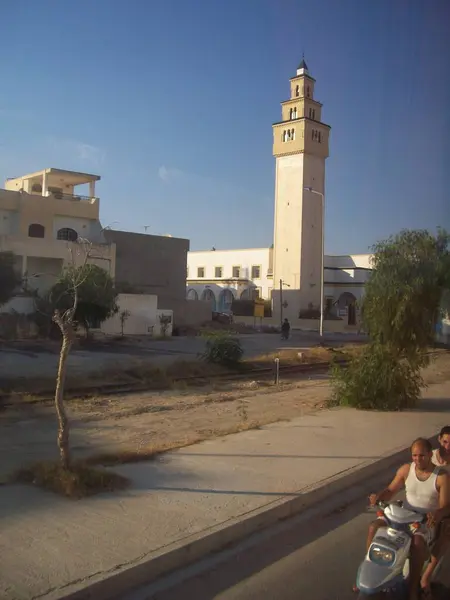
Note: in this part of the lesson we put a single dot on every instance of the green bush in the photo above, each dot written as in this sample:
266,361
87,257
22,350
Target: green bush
223,350
376,380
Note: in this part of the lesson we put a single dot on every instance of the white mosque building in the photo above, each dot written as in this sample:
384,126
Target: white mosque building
296,259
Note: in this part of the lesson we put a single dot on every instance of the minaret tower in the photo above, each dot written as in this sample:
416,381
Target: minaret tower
300,147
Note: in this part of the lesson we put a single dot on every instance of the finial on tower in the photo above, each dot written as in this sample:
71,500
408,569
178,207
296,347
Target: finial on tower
302,68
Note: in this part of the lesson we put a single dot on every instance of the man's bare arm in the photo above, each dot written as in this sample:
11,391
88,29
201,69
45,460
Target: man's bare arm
443,485
397,484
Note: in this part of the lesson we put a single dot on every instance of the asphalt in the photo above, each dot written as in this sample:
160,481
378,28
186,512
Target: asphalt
314,556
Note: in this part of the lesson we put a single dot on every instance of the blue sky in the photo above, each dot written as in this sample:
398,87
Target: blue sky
172,103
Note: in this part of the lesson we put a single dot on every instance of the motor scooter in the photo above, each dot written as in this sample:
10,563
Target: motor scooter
385,568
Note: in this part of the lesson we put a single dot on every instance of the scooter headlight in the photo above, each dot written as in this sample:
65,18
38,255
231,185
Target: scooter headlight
382,556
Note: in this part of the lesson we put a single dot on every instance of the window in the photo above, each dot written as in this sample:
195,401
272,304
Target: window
307,91
292,134
283,137
36,188
192,295
218,272
200,271
316,135
236,272
328,305
67,234
293,113
297,91
35,230
256,272
319,138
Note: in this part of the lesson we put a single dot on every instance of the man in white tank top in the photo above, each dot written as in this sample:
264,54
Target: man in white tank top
427,489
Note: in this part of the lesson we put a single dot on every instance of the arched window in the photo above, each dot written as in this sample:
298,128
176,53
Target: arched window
192,295
225,300
208,296
36,230
67,234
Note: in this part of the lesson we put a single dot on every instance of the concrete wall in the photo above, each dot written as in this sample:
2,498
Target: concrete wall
66,253
192,313
151,264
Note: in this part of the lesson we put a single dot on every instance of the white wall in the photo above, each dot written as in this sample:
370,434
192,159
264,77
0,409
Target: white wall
245,259
143,319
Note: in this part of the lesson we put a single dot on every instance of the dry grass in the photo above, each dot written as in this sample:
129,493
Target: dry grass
77,482
316,354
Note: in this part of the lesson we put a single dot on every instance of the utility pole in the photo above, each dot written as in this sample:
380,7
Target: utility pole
281,302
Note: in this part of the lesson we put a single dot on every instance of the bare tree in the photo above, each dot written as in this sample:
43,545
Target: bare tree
65,319
124,314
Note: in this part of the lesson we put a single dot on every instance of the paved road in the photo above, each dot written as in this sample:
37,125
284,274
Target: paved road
312,557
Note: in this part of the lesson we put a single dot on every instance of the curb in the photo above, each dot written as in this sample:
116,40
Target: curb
127,578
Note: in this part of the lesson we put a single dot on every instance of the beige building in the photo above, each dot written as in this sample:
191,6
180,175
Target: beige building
41,218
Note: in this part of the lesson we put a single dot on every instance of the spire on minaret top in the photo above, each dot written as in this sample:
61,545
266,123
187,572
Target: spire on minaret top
302,68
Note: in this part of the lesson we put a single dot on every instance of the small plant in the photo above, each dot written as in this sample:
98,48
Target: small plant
164,321
242,410
377,379
124,315
223,350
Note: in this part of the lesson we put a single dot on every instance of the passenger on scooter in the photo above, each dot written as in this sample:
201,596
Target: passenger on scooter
427,489
441,458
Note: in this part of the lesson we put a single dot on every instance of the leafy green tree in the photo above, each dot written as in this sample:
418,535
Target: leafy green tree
97,297
404,296
404,299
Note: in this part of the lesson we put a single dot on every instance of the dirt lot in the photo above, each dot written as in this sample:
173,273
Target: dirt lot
164,419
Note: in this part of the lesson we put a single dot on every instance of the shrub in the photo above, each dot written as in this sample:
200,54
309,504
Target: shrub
223,350
377,379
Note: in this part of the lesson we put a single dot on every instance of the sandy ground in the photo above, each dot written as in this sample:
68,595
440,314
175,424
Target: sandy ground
137,421
29,360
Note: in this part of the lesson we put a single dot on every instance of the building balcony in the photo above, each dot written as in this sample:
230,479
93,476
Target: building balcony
73,197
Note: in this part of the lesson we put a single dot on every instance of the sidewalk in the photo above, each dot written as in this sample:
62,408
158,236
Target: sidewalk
51,547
